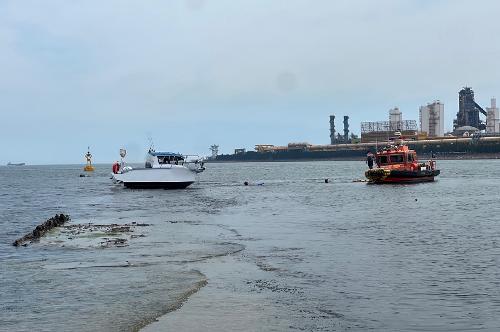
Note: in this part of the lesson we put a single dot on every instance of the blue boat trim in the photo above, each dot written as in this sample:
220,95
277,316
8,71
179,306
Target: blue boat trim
165,154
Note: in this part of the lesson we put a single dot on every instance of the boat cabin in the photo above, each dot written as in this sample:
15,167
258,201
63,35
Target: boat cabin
396,156
163,159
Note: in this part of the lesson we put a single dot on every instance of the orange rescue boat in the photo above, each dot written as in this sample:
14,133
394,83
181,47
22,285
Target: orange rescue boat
396,163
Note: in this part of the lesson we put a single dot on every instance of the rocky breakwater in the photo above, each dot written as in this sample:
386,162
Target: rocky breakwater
40,230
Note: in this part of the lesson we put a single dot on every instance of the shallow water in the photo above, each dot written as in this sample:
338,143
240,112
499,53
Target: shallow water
292,254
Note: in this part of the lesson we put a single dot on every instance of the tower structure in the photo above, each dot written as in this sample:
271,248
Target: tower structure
432,119
332,129
468,111
395,119
215,151
493,118
346,129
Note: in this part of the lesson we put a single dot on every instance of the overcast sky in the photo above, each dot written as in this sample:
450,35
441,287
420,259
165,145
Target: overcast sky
192,73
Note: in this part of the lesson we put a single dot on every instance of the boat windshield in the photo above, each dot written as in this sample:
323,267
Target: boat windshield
397,158
163,160
382,160
390,159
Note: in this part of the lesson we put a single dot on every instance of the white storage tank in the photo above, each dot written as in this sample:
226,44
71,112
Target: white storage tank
395,118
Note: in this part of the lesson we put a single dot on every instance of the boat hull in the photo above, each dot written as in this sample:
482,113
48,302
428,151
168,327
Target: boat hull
381,176
157,185
170,177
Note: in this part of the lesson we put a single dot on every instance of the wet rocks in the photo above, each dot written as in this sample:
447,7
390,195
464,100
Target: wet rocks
93,235
117,242
40,230
273,286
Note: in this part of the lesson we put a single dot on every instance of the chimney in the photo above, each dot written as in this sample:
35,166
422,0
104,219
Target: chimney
332,129
346,129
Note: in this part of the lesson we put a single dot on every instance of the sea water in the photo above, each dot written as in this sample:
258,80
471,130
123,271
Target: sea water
292,253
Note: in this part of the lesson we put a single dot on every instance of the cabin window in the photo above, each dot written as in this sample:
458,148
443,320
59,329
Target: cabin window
410,157
397,158
163,160
382,160
166,160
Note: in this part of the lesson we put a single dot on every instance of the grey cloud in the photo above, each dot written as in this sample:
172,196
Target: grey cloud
209,66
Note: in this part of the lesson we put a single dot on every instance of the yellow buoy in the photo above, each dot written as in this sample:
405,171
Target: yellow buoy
88,167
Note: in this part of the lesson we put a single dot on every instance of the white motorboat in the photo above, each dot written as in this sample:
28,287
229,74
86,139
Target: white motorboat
164,170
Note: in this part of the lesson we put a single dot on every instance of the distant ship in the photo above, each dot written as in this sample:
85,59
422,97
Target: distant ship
15,164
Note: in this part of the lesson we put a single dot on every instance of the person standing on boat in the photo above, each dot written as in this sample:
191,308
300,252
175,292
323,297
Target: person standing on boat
369,159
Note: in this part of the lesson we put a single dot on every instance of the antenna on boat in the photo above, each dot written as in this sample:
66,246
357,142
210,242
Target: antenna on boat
151,144
123,153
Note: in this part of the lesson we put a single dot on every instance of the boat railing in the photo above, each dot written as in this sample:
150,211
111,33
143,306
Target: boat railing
193,158
429,165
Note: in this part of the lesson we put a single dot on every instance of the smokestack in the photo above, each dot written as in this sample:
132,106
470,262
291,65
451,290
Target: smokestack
332,129
346,129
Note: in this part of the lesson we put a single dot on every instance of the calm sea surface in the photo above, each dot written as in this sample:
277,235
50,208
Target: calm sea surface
292,254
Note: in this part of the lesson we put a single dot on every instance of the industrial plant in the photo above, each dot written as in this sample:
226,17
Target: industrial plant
341,139
432,119
468,120
382,131
475,131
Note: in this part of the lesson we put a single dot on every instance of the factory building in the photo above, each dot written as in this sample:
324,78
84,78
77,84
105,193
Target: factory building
382,131
468,111
492,118
432,119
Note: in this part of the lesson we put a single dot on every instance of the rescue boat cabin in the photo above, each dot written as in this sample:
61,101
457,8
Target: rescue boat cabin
399,156
402,158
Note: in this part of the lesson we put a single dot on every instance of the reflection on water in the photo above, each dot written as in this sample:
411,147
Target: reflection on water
293,253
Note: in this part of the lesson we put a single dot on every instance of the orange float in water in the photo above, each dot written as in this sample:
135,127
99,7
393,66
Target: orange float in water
88,156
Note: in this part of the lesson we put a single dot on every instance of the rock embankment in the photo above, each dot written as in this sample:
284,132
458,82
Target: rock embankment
40,230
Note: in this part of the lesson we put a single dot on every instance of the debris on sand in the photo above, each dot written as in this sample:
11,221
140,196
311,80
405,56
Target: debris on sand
40,230
78,235
98,235
118,242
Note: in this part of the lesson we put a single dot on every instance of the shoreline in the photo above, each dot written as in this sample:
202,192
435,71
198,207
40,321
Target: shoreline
455,156
227,303
179,303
